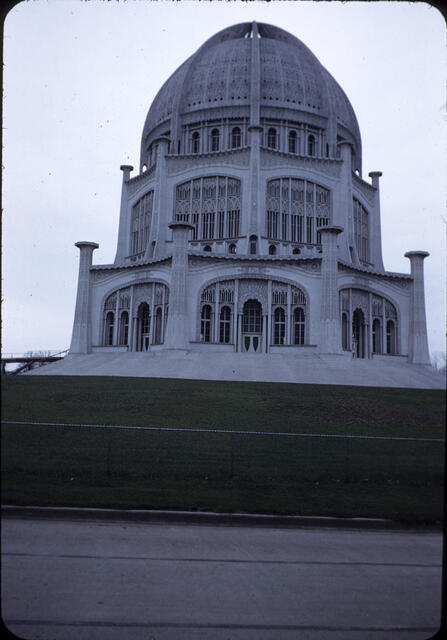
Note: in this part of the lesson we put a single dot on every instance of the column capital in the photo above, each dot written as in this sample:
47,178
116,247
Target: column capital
416,254
332,229
85,243
162,139
126,169
180,225
375,175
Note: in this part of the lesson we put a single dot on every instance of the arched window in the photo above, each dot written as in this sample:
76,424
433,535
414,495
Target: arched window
225,325
152,249
279,332
299,324
232,248
108,328
124,328
272,250
252,317
358,333
296,251
253,245
390,337
158,326
292,142
345,332
205,323
195,142
376,336
207,248
236,138
215,140
311,145
271,138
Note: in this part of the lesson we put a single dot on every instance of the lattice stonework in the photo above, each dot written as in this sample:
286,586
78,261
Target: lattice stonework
376,306
110,303
141,224
361,230
295,209
360,300
124,302
390,310
212,204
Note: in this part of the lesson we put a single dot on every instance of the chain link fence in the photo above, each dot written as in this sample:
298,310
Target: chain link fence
95,451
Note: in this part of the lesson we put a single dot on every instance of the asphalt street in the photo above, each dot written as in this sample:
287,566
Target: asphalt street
99,579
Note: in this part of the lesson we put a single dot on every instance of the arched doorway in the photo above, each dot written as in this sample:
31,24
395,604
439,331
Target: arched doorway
358,334
252,327
143,325
390,337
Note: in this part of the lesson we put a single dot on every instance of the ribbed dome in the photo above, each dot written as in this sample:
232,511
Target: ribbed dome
220,75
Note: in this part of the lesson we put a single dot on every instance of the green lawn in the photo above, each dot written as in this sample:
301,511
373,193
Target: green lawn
212,471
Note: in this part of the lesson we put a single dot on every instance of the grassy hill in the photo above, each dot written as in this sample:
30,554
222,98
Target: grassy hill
76,466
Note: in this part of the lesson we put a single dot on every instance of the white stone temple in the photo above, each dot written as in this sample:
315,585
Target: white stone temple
248,230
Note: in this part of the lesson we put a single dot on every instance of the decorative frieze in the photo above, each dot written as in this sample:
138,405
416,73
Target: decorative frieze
233,158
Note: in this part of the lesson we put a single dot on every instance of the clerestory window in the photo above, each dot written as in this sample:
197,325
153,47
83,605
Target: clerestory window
212,204
141,224
236,138
295,209
215,140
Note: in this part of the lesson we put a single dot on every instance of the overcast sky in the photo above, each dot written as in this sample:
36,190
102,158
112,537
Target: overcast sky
79,78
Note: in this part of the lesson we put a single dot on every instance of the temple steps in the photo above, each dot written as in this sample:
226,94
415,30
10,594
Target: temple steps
392,371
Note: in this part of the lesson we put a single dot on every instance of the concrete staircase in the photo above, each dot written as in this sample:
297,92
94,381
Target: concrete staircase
392,371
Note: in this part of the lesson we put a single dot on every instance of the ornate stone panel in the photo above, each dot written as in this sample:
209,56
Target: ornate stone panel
360,300
252,289
142,293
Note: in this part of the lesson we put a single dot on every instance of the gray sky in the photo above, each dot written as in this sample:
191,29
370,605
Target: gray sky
79,78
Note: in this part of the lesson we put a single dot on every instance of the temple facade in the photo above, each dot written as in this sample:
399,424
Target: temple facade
248,226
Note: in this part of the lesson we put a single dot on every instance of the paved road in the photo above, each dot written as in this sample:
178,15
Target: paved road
106,580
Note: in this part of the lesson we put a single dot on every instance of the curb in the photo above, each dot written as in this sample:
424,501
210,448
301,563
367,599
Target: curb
210,518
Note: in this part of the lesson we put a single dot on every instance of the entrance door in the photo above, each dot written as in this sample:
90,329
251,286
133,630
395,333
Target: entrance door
358,334
143,327
252,327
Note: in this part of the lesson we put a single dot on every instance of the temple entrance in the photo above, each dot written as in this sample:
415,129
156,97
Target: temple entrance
252,327
143,327
358,334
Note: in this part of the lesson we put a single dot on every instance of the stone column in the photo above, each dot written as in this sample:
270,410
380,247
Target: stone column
81,339
122,249
160,214
177,336
330,332
375,239
417,335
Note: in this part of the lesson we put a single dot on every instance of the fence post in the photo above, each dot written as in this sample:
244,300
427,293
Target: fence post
109,451
348,460
232,455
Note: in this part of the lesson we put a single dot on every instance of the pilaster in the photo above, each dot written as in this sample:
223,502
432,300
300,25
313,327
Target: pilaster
159,211
330,330
176,336
343,211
